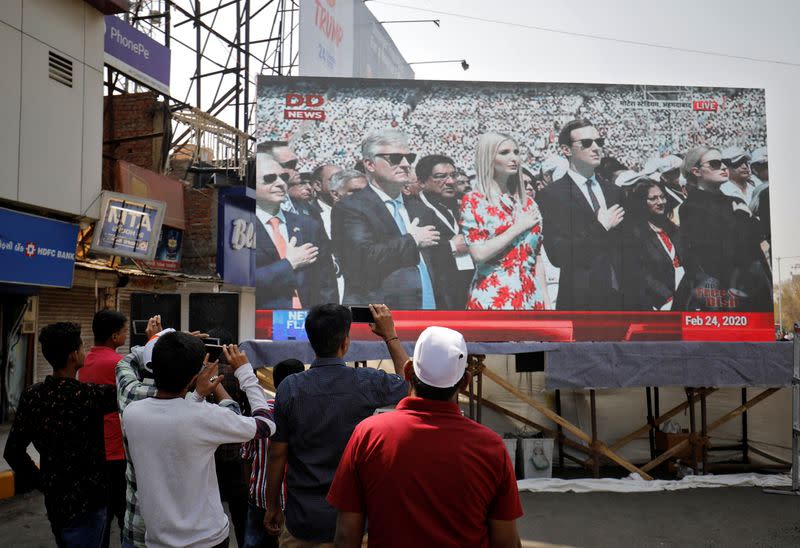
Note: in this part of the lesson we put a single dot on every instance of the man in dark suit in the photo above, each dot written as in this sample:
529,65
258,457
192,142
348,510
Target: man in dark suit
382,238
581,225
293,260
438,177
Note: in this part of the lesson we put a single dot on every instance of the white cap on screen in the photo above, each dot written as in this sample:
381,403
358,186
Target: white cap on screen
440,357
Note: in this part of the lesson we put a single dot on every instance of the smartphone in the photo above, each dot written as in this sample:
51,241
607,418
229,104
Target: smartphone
214,352
361,314
211,340
140,327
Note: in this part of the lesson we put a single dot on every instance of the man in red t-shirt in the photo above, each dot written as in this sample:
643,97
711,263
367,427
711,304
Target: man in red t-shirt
424,474
110,329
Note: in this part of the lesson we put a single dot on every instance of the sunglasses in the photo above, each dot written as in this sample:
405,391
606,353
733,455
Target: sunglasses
586,143
272,177
291,164
737,164
395,158
713,164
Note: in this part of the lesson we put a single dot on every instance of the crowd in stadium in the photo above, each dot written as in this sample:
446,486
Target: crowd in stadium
605,199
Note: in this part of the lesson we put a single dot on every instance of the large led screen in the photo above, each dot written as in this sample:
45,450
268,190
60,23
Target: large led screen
517,211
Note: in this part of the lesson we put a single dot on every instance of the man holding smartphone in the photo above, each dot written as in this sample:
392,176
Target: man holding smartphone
315,413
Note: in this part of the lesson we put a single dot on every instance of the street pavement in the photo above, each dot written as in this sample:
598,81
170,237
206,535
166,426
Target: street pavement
724,517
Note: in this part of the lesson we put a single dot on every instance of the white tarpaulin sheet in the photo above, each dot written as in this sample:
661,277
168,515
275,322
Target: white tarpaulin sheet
635,484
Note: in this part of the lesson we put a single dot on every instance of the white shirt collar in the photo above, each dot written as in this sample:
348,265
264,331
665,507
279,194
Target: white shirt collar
578,178
265,216
383,196
323,206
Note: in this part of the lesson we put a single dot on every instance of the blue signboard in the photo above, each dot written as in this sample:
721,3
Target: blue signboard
236,238
136,54
35,250
129,227
289,325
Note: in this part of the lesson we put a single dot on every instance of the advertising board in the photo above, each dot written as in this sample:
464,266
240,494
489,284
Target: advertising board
517,211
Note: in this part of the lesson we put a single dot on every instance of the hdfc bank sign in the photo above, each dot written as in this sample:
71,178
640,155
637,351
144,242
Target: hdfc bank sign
304,107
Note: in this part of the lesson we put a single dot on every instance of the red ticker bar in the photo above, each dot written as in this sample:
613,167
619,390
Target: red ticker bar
493,326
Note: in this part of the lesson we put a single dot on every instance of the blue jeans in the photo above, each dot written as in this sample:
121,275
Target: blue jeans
86,531
255,536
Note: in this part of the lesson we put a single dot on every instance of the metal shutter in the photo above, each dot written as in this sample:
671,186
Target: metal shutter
64,305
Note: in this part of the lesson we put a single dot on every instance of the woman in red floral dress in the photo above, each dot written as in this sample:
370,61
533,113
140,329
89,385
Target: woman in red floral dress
503,232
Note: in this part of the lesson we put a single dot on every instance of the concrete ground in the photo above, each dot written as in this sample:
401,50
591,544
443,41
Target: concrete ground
726,517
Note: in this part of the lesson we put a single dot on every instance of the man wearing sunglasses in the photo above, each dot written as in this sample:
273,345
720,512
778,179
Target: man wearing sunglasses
382,238
294,268
739,185
287,159
581,220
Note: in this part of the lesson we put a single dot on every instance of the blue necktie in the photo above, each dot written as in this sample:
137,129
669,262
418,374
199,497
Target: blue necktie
428,300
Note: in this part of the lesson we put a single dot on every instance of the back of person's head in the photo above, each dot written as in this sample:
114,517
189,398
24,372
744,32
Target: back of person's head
177,358
440,362
58,341
327,326
284,369
107,322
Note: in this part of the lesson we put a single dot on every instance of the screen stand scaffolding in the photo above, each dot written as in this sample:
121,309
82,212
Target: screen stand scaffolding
795,488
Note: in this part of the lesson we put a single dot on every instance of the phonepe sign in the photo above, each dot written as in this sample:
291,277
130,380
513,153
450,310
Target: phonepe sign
289,325
304,107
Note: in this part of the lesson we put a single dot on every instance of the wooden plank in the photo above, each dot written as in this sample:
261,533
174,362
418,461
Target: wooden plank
571,428
658,420
524,420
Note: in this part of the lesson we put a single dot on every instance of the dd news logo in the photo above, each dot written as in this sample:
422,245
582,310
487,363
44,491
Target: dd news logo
304,107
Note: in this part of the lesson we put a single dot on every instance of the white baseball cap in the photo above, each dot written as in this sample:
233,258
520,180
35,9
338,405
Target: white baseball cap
759,155
440,357
148,348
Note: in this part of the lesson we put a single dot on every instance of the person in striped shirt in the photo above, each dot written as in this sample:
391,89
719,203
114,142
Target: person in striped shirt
255,452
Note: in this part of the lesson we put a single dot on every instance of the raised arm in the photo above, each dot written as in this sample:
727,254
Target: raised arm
383,326
260,410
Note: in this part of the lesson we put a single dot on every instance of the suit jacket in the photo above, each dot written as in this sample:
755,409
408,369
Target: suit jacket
276,280
647,271
378,262
722,251
576,242
453,284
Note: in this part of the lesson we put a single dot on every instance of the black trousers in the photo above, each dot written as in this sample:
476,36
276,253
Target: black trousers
115,478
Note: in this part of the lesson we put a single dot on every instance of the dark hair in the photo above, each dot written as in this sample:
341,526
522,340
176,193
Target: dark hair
268,146
58,341
177,357
327,326
107,322
426,164
608,165
636,203
431,392
284,369
513,181
565,135
359,166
